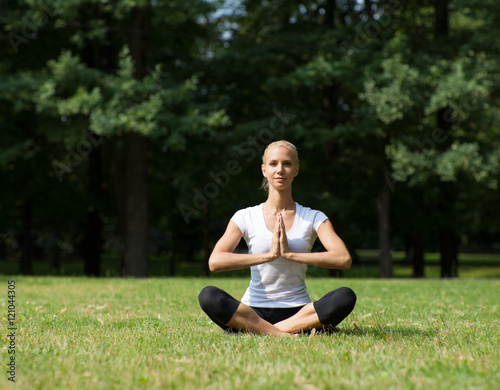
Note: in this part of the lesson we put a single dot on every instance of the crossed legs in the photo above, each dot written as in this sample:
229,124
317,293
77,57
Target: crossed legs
228,313
247,320
306,319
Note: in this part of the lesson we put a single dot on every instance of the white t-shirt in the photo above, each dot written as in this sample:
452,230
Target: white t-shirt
279,283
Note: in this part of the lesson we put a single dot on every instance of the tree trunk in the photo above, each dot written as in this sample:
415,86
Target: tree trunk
448,238
384,217
415,252
100,57
136,262
448,243
384,236
93,231
139,21
415,243
92,244
119,183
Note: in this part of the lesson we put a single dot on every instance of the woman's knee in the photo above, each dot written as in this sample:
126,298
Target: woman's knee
208,297
217,304
348,297
335,306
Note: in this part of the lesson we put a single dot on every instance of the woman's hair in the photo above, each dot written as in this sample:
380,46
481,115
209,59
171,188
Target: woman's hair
291,147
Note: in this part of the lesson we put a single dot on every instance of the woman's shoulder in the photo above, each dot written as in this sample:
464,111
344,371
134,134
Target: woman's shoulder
312,215
249,210
306,209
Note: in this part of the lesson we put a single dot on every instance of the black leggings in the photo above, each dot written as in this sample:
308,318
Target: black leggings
331,309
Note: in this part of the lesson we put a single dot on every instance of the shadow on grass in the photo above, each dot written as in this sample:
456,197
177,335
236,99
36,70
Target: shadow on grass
370,332
384,332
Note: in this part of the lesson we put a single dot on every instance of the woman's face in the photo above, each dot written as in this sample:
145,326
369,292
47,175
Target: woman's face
280,167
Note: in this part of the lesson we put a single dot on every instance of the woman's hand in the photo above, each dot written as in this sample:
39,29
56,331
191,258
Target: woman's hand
279,243
284,249
275,243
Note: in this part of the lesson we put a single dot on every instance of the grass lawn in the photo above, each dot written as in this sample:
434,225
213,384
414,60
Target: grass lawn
115,333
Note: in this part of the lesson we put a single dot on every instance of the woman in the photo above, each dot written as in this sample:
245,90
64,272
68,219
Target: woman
279,234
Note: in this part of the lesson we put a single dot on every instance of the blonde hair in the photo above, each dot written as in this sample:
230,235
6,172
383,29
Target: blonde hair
291,147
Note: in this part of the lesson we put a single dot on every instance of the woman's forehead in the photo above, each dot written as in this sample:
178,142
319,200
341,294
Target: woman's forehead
280,153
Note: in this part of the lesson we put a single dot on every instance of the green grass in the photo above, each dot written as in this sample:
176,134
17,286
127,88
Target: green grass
79,333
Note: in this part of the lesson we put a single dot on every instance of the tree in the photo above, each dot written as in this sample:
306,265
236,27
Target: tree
107,84
112,109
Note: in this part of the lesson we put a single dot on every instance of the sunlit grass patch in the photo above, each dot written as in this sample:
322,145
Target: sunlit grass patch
115,333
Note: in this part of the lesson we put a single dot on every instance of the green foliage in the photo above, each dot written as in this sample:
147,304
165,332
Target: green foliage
392,95
461,91
353,88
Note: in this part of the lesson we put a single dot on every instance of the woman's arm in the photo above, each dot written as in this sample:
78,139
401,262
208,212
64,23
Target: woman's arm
223,258
336,255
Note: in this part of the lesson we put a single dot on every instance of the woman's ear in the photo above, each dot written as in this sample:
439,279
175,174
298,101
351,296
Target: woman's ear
263,168
297,171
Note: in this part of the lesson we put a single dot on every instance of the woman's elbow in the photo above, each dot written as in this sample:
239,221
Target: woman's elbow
212,267
213,264
347,263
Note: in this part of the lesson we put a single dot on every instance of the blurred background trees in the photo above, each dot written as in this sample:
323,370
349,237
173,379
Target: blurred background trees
133,130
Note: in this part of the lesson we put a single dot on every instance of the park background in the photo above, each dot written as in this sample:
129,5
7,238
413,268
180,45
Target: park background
131,131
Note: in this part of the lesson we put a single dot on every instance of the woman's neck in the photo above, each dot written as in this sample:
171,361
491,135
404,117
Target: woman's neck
278,202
